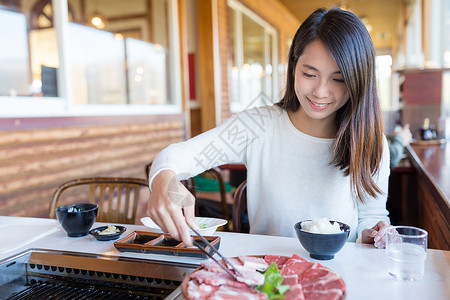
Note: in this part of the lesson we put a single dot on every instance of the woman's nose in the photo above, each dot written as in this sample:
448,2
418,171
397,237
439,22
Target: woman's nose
321,89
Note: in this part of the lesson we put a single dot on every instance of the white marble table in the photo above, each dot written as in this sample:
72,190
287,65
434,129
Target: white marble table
362,267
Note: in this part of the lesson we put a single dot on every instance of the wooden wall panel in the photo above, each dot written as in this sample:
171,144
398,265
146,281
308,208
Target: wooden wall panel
431,218
413,201
431,210
422,91
196,125
184,63
423,87
34,162
224,56
402,195
206,74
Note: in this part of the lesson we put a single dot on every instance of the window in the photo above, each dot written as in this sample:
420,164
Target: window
12,81
414,55
254,59
96,57
383,67
29,56
446,36
97,64
147,73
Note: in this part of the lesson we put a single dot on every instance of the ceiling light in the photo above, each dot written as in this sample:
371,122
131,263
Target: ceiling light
98,21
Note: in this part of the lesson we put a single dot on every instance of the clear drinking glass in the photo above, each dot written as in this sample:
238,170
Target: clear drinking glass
406,248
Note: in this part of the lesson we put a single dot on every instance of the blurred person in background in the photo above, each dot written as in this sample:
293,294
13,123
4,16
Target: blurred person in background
401,137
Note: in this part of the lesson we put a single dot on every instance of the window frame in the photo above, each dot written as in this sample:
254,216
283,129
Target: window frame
28,106
269,30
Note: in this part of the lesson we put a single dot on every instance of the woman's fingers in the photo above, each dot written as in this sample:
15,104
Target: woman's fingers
380,237
186,215
367,235
159,214
170,221
167,201
376,234
182,228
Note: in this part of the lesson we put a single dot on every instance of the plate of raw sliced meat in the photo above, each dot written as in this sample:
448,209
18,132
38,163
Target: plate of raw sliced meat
295,277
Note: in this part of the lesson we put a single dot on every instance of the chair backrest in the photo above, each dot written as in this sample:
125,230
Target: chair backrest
117,197
239,204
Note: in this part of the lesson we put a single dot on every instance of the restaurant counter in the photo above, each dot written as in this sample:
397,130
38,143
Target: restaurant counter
362,267
429,204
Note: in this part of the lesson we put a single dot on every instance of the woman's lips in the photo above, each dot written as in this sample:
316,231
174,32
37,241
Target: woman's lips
318,106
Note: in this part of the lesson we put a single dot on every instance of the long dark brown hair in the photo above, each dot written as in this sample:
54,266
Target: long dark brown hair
359,140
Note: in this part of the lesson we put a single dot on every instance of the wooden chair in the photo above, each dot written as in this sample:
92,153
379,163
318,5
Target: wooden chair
239,205
117,197
214,173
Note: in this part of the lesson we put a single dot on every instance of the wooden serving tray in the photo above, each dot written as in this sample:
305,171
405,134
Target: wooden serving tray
157,243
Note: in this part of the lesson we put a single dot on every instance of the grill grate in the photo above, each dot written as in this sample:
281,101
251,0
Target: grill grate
52,283
43,274
59,291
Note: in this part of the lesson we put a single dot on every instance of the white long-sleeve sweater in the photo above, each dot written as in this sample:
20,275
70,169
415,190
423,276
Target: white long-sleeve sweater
289,175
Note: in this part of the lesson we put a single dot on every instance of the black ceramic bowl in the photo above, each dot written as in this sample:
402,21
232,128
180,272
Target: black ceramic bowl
322,246
107,237
77,219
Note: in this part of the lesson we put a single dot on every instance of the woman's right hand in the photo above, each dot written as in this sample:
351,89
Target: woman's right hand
172,206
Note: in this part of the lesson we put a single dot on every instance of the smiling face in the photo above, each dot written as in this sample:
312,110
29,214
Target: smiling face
321,90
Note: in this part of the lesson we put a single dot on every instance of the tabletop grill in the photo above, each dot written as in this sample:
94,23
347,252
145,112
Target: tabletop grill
43,274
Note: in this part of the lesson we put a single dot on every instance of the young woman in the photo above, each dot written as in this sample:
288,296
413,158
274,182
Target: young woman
319,152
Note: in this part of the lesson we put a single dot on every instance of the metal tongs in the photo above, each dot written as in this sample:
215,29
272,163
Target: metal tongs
227,262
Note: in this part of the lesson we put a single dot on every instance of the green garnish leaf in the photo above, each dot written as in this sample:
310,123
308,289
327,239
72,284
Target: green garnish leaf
272,283
202,226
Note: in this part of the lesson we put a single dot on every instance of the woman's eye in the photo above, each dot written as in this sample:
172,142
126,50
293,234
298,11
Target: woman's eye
339,80
308,75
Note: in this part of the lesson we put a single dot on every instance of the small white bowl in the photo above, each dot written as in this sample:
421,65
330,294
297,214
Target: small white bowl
207,225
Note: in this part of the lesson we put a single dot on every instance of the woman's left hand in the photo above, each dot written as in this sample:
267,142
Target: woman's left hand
376,235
